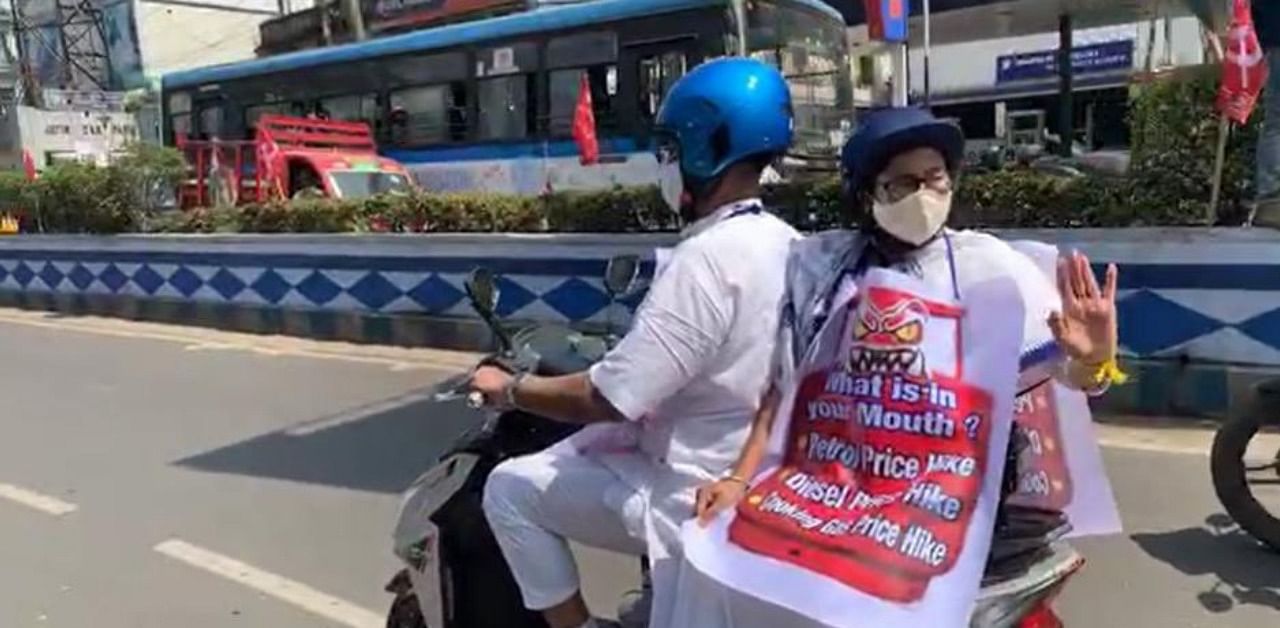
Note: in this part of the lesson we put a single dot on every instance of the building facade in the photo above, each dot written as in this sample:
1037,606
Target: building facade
1005,90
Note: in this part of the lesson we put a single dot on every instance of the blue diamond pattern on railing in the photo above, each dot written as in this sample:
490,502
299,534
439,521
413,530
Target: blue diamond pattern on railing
23,274
79,276
148,279
1264,328
435,295
185,281
374,291
271,286
113,278
576,299
226,284
51,276
1150,323
318,289
512,297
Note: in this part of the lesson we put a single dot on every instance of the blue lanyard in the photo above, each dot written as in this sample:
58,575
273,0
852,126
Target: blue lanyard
750,209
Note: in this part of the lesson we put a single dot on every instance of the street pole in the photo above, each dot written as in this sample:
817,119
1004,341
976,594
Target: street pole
1220,160
1066,106
1216,54
901,83
928,46
355,19
326,29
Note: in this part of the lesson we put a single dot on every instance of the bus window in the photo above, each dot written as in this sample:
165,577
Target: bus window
354,107
180,113
568,57
507,108
432,114
809,48
424,69
251,114
565,85
210,122
658,73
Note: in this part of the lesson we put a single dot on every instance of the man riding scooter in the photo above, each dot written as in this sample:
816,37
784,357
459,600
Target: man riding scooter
671,405
899,169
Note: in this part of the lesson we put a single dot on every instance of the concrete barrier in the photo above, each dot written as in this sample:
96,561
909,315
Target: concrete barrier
1196,305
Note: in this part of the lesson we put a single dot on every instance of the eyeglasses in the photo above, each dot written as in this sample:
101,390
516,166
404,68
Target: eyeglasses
897,188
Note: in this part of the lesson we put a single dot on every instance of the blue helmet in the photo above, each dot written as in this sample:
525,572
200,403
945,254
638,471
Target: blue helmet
887,132
723,112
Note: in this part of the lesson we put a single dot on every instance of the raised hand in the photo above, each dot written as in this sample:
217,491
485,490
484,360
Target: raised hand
1086,328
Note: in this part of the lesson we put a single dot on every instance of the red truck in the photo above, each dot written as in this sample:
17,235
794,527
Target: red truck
289,158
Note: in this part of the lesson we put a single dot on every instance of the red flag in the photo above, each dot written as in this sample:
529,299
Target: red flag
1244,68
28,165
584,124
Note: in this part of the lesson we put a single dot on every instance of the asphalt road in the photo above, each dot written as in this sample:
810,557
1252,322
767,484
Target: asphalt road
155,476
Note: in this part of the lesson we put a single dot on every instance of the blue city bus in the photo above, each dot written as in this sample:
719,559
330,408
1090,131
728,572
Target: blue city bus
488,104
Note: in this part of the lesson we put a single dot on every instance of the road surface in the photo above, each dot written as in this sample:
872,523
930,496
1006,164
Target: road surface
155,476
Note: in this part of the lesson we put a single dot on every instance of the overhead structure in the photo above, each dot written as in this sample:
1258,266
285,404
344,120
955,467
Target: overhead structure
64,45
958,21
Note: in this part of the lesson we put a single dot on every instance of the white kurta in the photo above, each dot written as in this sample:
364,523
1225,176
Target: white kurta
688,378
690,374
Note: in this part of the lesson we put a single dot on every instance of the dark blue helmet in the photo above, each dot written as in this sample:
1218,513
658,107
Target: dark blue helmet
887,132
723,112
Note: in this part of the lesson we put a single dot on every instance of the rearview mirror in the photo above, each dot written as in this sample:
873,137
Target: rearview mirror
621,274
482,288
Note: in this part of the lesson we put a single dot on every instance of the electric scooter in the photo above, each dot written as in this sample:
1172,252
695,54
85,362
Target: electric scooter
456,577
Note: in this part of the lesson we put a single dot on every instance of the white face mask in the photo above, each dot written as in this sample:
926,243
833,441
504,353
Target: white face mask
671,181
916,218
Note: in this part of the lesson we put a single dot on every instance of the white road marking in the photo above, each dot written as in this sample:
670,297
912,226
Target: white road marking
360,413
31,499
202,339
1162,448
1179,438
279,587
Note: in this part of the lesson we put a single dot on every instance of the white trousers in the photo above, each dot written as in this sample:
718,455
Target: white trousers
535,503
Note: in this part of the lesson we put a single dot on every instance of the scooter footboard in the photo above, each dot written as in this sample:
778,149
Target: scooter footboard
1004,604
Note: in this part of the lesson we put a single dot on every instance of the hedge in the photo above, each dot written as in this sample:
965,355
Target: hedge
1014,198
1174,130
997,200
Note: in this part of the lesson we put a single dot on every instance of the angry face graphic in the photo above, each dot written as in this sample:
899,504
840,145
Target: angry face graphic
887,333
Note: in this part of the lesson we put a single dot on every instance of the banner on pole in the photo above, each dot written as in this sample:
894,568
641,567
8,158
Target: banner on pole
1244,67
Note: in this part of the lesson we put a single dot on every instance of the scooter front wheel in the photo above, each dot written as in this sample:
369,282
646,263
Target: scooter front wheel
1234,472
405,612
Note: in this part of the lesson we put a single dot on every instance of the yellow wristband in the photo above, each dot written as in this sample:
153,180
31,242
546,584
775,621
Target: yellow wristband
734,478
1108,372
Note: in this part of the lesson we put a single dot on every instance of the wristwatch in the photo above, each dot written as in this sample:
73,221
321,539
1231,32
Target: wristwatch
509,393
